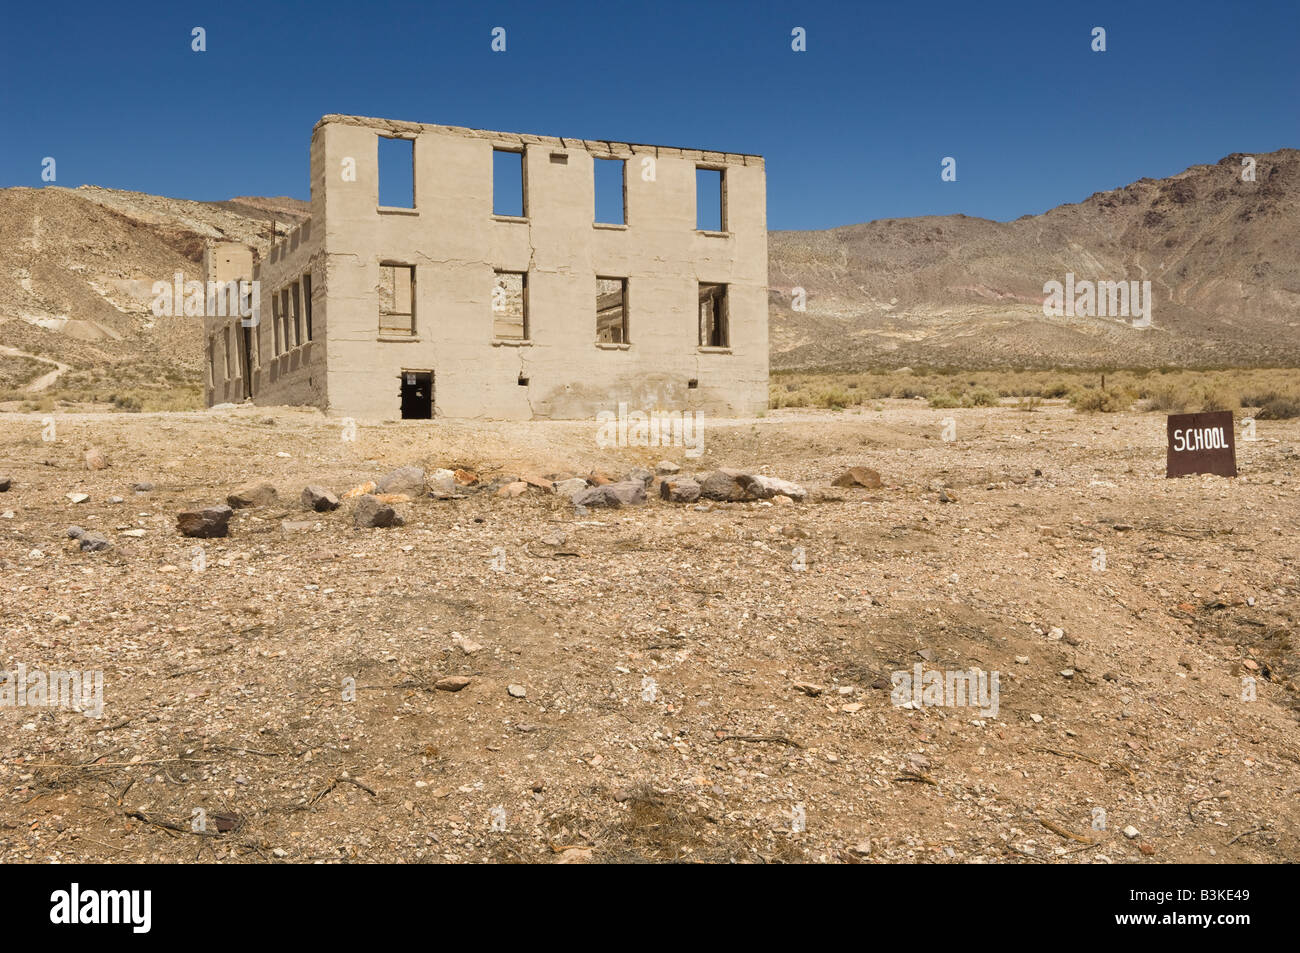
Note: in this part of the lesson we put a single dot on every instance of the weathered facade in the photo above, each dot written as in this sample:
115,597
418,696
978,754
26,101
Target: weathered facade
452,307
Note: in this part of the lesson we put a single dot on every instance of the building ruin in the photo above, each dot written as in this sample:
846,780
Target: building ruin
494,288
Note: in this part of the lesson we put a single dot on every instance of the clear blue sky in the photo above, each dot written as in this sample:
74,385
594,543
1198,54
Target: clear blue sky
854,129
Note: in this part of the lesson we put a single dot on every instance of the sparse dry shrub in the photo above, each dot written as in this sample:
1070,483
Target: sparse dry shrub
1096,401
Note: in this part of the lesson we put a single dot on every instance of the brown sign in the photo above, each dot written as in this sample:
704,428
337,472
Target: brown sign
1201,443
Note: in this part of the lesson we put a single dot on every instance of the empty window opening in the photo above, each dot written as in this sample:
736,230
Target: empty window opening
611,311
275,325
290,342
396,172
523,381
212,362
609,186
306,302
225,353
713,316
510,306
710,200
245,335
692,384
297,313
396,299
507,183
417,395
559,158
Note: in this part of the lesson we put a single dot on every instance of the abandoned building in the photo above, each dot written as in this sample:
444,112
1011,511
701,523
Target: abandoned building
456,272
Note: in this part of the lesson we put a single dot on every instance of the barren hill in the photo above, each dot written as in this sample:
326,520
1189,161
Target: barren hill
77,268
1221,255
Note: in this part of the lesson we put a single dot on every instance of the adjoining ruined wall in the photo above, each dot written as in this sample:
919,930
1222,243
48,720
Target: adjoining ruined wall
224,367
455,243
294,372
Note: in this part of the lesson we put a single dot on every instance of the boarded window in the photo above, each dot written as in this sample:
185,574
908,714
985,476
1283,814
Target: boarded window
710,200
306,302
396,299
510,306
713,316
611,311
508,183
396,172
609,191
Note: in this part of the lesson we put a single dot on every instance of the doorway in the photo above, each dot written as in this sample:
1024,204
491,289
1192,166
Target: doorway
417,395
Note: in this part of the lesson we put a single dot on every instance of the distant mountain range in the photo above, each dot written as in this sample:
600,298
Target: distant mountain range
1222,256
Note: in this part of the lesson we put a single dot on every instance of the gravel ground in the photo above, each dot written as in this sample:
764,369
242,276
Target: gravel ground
661,682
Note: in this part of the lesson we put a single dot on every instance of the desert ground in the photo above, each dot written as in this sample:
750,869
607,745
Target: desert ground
660,682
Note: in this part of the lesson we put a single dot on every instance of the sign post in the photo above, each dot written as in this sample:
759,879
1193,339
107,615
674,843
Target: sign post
1201,443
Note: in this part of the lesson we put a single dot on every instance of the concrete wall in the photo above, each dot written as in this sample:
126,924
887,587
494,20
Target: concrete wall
456,243
225,367
295,373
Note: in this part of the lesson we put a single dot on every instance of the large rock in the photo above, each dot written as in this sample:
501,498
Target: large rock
5,483
402,480
371,514
255,494
679,490
628,492
207,523
859,476
597,496
727,486
319,499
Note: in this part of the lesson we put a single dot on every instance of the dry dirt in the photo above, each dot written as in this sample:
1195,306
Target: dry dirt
658,646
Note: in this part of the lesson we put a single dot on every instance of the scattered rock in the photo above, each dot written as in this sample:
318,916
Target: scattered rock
402,480
679,490
75,532
859,476
570,488
628,492
451,683
6,483
95,459
78,497
667,468
466,477
142,487
512,490
372,514
255,494
769,487
639,474
809,688
207,523
360,490
1131,832
946,497
442,483
726,486
94,543
319,499
517,691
